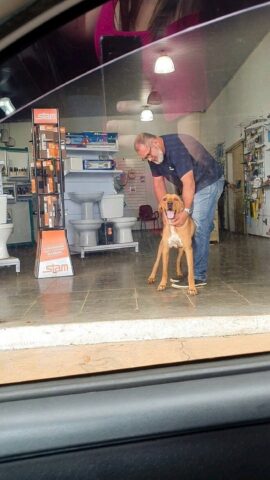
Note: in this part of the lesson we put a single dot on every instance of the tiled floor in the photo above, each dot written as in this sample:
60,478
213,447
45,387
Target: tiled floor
113,286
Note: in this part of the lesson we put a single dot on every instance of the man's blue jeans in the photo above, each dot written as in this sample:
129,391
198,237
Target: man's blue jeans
204,207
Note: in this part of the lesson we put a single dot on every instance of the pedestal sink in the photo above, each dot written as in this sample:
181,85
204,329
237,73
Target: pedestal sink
86,200
86,228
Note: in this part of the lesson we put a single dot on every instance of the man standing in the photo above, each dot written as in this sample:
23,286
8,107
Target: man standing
185,162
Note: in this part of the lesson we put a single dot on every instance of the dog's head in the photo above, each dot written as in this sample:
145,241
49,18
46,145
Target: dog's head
170,205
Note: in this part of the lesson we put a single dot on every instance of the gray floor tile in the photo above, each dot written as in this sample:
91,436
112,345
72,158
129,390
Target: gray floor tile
113,285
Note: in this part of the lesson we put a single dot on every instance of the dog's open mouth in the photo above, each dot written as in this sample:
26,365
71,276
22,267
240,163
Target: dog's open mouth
170,214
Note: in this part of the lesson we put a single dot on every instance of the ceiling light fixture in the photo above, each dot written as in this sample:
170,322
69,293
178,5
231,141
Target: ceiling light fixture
6,105
154,98
146,114
164,64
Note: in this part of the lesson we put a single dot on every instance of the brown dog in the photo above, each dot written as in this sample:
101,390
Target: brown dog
178,237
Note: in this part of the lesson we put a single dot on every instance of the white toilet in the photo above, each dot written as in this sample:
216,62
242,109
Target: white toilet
112,209
86,232
123,226
86,229
5,228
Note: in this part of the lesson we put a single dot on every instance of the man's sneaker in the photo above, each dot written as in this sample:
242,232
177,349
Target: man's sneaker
179,279
184,283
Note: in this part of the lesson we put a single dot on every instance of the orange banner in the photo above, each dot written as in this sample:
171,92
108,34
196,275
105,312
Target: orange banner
53,259
45,115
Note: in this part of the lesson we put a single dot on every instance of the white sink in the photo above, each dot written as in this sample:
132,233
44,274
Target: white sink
85,197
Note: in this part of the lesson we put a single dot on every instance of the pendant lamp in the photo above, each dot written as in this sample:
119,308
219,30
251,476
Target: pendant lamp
164,64
154,98
6,105
146,114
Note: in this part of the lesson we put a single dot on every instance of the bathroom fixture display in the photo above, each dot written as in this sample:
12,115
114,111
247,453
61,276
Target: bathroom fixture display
91,199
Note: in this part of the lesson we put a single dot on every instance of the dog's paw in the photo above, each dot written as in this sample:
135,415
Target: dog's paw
161,287
151,279
192,291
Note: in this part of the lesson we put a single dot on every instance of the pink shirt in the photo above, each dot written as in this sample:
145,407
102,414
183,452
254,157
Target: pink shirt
106,26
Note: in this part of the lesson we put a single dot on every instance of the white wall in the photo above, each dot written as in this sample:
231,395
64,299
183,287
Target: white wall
244,98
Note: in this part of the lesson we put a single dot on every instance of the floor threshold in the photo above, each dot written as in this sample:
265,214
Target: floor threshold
100,332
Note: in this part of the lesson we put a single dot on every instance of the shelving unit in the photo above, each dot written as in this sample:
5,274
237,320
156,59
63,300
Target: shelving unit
47,180
257,177
47,176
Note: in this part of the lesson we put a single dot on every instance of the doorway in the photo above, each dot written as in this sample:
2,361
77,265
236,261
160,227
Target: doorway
234,198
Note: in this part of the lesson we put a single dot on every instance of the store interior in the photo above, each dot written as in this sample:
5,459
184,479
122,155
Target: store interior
219,94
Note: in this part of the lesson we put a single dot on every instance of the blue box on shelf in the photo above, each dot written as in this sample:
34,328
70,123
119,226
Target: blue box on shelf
101,137
77,139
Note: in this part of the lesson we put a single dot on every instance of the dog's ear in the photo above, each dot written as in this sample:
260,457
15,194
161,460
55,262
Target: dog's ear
162,204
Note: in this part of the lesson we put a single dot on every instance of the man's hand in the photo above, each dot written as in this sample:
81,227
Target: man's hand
180,219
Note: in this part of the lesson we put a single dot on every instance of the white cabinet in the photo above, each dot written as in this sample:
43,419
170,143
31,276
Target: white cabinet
257,177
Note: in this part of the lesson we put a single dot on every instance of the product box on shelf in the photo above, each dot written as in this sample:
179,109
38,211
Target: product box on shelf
75,139
83,139
101,137
98,164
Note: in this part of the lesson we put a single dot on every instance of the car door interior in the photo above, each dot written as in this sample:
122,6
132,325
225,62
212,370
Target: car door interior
207,420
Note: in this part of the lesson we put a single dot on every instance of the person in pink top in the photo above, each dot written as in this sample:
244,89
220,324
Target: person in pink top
150,20
185,90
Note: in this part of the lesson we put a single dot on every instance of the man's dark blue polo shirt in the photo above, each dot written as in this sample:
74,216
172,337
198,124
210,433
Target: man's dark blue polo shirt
182,154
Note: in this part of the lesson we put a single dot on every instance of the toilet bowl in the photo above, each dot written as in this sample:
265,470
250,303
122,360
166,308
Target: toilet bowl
123,226
5,231
86,231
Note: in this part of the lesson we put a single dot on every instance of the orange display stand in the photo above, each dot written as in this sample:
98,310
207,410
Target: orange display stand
52,256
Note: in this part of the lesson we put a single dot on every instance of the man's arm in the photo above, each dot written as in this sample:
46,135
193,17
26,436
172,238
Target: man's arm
188,192
159,187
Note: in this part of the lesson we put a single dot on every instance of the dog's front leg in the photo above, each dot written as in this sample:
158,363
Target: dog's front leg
152,276
165,262
192,290
178,262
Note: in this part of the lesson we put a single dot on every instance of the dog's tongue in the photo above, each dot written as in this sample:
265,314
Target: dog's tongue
170,214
